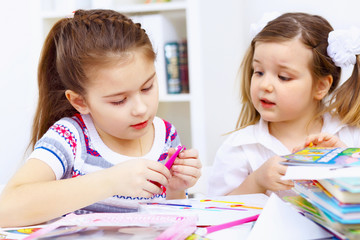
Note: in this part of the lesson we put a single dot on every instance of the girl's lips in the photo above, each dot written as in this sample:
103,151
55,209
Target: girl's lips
140,125
266,103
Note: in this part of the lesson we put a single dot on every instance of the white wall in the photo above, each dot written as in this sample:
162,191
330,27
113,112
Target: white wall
221,33
19,50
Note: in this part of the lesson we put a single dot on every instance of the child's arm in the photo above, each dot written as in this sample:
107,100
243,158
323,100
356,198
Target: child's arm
185,173
266,177
34,196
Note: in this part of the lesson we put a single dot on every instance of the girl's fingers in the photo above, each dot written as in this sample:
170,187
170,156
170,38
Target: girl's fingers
186,178
282,170
287,182
187,170
171,151
280,185
149,189
189,153
188,162
159,168
156,177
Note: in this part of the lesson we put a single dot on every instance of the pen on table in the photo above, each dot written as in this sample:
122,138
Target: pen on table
222,208
169,204
211,229
171,160
244,206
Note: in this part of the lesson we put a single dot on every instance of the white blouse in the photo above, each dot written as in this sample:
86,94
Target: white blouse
246,150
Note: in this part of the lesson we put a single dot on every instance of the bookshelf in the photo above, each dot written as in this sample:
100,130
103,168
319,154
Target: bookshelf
164,22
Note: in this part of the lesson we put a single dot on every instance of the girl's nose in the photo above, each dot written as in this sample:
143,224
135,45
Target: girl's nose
139,106
267,83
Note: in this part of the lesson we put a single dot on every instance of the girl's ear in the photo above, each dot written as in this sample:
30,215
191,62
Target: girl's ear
322,87
77,101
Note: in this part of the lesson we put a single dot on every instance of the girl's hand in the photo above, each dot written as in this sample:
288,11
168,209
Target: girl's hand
185,171
268,176
138,178
321,140
324,140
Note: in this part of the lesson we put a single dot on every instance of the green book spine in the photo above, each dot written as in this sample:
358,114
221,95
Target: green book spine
172,67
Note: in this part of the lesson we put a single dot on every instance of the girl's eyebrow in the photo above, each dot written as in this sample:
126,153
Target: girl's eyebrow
121,93
281,66
287,68
255,60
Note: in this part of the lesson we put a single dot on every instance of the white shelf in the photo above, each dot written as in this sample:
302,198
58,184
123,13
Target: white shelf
182,97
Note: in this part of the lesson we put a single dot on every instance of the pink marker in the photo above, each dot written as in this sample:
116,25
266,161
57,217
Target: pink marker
208,230
171,160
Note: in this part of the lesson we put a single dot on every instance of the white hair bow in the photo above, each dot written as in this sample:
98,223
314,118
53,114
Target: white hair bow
343,47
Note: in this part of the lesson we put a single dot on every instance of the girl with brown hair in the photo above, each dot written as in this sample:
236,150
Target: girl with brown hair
98,145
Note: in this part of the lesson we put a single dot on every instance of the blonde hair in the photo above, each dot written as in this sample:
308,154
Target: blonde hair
313,31
345,101
90,39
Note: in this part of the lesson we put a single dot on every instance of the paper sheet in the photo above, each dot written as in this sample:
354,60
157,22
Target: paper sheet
212,216
279,220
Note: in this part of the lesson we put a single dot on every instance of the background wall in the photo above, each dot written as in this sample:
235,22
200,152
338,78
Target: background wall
224,38
20,44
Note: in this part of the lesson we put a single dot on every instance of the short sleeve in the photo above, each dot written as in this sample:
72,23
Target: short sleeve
172,138
58,147
229,170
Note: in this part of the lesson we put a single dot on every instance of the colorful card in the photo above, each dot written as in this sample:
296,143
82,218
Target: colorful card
324,156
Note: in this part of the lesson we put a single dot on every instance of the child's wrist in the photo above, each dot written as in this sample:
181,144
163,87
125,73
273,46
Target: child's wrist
175,194
258,186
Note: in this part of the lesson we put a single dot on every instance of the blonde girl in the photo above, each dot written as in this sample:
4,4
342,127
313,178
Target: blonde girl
98,145
287,74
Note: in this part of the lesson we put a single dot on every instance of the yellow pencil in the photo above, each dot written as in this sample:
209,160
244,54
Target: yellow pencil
244,206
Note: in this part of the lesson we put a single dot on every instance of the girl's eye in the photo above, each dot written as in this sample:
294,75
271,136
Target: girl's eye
119,102
258,73
284,78
147,89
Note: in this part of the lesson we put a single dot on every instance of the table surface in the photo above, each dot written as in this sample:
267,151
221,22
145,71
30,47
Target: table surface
214,217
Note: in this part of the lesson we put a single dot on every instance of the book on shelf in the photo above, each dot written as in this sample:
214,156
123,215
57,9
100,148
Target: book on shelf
346,195
171,50
321,156
176,61
183,66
